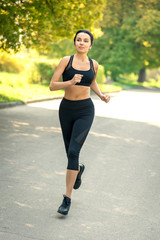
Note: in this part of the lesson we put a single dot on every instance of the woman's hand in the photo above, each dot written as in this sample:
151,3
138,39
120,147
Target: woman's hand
76,79
105,98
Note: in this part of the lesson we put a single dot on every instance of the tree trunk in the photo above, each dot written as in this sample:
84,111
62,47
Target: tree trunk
142,75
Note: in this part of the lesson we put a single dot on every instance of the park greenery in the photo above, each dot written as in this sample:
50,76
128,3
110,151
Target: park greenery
35,35
26,75
131,39
37,23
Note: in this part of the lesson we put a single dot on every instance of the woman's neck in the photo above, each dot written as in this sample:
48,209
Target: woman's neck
81,56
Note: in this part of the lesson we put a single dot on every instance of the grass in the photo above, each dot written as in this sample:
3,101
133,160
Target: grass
108,88
130,81
14,87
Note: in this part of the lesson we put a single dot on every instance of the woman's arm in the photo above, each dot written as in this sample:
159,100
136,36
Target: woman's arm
55,84
95,88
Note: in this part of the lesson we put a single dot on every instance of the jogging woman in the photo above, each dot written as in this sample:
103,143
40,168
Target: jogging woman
76,111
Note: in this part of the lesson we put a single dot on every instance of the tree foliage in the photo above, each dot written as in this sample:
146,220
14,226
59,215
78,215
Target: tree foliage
37,23
131,36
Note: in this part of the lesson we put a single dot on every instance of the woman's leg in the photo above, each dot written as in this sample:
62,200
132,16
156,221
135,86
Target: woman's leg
71,176
75,124
67,122
80,131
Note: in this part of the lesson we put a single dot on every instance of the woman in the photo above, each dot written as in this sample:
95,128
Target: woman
76,111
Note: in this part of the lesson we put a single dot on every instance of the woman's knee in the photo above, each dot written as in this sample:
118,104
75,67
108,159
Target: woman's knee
73,156
73,153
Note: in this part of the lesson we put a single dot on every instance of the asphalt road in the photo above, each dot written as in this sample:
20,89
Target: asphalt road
119,198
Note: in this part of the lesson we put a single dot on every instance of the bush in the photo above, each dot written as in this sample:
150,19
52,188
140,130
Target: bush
33,74
11,63
41,72
45,70
101,78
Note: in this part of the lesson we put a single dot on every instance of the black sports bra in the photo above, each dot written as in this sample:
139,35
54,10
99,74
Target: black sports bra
88,75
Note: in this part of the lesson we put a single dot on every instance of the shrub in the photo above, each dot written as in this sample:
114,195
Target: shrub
101,78
10,63
33,75
45,70
41,72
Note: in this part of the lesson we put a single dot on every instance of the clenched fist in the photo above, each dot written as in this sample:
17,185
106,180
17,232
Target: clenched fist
76,79
105,98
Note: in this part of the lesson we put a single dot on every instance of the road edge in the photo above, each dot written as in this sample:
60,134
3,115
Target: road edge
18,103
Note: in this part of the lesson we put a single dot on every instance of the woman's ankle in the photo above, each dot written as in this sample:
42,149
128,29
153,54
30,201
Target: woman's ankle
67,195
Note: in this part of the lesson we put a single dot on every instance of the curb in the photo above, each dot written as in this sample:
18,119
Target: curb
10,104
19,103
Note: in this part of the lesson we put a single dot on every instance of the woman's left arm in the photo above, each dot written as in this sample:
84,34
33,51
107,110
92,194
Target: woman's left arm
95,87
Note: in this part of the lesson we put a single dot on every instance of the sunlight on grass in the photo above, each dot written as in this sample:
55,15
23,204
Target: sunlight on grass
152,83
131,81
14,87
108,88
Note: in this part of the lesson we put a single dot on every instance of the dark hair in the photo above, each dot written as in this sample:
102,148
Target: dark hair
84,31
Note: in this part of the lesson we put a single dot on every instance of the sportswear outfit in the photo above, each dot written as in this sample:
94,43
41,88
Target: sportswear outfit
76,117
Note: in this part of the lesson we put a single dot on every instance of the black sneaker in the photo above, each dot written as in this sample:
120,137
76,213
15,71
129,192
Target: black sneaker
78,179
64,208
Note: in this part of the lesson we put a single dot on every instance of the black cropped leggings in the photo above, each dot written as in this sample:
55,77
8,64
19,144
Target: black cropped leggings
76,118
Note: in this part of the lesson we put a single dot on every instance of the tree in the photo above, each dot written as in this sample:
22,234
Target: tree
37,23
131,37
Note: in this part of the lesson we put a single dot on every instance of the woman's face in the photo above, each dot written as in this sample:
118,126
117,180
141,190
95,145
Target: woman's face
83,42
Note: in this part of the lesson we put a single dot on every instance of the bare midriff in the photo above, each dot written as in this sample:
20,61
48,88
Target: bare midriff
77,92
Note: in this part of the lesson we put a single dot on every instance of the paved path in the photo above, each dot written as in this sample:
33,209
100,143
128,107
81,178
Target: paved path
120,195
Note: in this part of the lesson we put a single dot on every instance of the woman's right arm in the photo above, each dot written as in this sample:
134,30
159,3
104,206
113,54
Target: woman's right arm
55,84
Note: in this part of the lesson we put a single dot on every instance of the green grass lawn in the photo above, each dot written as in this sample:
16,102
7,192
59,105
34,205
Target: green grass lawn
131,81
109,88
14,87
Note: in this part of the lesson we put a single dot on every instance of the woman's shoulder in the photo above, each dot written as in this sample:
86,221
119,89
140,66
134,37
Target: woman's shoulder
95,64
65,60
66,57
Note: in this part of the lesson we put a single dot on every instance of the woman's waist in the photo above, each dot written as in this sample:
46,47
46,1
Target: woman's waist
76,93
77,105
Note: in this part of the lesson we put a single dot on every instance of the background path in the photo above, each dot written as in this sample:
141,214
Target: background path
120,195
